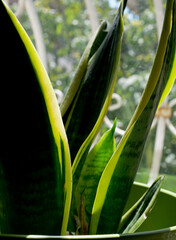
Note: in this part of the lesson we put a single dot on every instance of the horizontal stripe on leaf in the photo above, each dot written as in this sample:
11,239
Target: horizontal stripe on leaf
87,182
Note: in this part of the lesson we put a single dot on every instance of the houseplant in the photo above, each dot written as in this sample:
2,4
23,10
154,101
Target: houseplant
36,182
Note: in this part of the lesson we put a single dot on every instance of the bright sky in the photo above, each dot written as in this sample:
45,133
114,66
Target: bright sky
113,3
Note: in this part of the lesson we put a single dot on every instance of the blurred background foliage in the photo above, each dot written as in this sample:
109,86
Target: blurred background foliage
66,30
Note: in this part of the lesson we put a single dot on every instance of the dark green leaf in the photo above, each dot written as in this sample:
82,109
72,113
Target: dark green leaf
98,80
34,154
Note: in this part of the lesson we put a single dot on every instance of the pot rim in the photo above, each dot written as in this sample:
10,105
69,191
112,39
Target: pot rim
99,236
173,194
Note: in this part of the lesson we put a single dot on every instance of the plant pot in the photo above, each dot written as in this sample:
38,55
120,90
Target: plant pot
160,224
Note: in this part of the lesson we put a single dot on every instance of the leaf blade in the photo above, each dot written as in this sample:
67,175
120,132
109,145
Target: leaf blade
40,133
91,48
90,174
120,172
135,216
101,75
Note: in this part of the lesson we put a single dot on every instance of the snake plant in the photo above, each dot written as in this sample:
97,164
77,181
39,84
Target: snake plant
51,180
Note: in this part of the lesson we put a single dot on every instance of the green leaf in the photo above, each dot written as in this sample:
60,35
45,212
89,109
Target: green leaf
172,49
137,214
98,82
86,184
117,179
77,82
35,169
84,149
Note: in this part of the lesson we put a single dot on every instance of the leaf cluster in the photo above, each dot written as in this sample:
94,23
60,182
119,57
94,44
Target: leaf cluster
52,179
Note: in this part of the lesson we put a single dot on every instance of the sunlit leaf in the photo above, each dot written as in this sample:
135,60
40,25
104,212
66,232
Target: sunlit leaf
86,184
117,179
34,154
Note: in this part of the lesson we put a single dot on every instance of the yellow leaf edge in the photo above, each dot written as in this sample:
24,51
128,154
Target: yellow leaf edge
153,78
53,111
